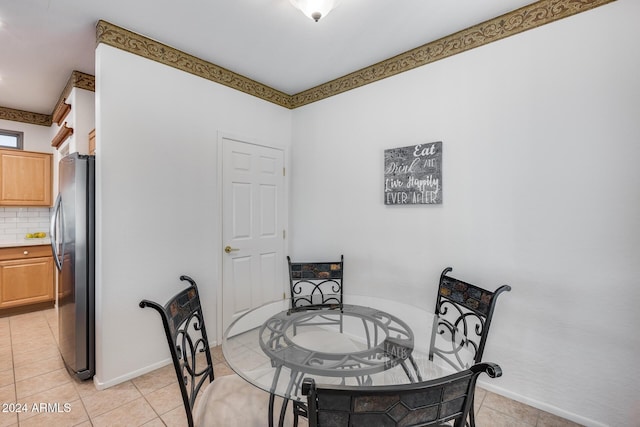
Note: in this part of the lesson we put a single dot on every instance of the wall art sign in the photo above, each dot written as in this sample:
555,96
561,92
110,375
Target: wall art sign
413,175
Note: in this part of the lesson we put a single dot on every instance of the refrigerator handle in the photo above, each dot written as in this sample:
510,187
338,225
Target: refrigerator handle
53,232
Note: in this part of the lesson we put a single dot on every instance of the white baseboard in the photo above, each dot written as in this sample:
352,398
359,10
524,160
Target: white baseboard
101,385
541,405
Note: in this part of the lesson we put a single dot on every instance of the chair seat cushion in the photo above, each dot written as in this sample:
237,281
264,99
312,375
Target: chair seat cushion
231,401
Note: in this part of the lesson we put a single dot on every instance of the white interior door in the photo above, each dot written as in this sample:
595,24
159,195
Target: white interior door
253,227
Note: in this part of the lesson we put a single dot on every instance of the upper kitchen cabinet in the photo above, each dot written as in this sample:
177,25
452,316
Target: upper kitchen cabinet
25,178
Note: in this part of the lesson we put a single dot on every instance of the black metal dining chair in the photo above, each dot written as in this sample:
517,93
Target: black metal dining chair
316,283
227,400
463,317
426,403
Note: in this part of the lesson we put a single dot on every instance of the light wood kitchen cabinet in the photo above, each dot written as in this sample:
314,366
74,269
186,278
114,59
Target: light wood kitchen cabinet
26,276
25,178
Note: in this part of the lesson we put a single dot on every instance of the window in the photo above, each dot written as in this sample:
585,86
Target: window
10,139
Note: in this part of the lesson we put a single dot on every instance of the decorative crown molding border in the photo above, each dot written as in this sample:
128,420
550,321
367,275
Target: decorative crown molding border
77,79
512,23
25,116
526,18
80,80
137,44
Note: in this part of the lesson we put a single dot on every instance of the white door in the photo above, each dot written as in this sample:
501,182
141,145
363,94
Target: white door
252,227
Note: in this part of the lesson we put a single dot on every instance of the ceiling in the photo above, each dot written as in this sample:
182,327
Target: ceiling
269,41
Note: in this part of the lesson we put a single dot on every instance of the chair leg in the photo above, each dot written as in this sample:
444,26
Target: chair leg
283,412
272,398
471,419
299,409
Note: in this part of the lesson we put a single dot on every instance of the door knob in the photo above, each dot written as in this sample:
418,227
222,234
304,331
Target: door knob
229,249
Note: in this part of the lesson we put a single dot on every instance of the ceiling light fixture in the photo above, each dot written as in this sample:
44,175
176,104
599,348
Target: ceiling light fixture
315,9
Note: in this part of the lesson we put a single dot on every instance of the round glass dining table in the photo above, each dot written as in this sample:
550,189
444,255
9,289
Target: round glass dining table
364,341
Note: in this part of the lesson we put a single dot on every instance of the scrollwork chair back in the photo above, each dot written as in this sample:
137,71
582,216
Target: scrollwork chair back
187,338
427,403
316,283
229,401
463,318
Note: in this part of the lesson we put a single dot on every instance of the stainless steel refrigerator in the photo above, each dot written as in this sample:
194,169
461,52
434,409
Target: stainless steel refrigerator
73,243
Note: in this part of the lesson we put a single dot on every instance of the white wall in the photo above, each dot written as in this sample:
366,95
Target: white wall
157,205
541,191
81,118
35,137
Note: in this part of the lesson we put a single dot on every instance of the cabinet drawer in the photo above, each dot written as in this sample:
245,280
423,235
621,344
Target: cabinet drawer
21,252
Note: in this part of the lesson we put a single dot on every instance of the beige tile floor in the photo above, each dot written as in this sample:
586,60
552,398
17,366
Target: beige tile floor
36,390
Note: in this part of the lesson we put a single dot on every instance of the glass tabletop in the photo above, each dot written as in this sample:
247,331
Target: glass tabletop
363,341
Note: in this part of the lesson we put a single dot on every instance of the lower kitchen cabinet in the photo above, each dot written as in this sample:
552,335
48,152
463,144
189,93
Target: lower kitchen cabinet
26,276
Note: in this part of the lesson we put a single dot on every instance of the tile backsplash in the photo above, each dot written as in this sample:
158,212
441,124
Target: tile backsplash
15,223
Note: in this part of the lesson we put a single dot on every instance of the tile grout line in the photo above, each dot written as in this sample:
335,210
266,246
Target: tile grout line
55,339
537,411
144,396
49,328
13,369
80,399
82,403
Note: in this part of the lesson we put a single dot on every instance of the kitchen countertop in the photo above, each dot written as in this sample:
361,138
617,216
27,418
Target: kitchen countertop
25,242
